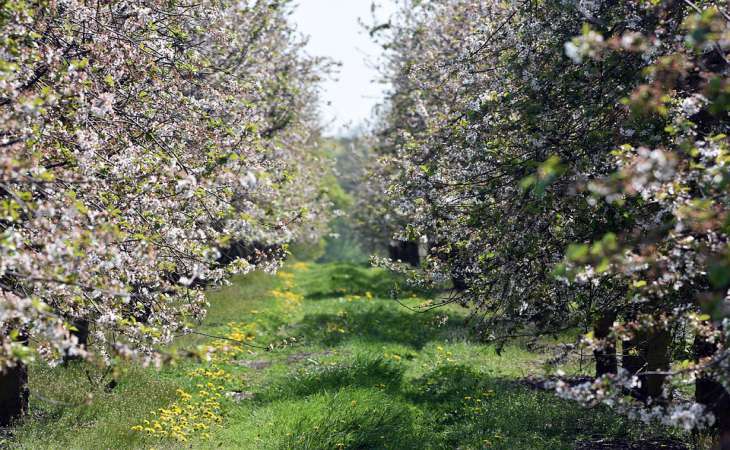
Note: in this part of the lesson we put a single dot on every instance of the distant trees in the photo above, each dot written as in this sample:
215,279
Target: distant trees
568,163
139,141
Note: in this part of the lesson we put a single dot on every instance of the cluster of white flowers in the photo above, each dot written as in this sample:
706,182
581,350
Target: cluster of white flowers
138,141
568,162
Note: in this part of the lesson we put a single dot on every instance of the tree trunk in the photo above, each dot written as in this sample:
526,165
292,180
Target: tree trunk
657,359
713,395
606,362
405,251
82,334
459,282
13,394
631,360
410,253
648,351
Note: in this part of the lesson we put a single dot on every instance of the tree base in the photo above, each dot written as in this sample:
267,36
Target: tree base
13,394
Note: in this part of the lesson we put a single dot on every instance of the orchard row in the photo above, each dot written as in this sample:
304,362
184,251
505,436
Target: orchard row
566,163
147,149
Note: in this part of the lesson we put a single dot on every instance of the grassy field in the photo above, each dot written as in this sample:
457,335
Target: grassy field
350,369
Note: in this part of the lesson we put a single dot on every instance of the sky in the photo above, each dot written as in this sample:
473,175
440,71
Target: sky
334,31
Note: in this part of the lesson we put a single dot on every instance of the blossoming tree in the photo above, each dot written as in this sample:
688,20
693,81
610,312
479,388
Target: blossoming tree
567,162
138,141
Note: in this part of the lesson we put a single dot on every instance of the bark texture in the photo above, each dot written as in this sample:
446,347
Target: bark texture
606,362
710,393
13,394
406,251
648,351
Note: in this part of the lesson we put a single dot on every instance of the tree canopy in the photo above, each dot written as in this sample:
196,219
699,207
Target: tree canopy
139,141
567,163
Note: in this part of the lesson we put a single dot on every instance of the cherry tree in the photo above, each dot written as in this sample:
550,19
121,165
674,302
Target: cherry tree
566,161
139,141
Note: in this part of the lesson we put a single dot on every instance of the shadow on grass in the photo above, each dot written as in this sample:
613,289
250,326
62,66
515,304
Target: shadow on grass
353,279
352,419
363,372
357,405
378,323
451,406
465,406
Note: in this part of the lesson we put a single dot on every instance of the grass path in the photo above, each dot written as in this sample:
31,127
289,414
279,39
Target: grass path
351,369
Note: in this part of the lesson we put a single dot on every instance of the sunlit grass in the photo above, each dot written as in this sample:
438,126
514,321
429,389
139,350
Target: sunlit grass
351,368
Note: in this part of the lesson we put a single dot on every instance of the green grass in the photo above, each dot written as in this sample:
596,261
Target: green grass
357,373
